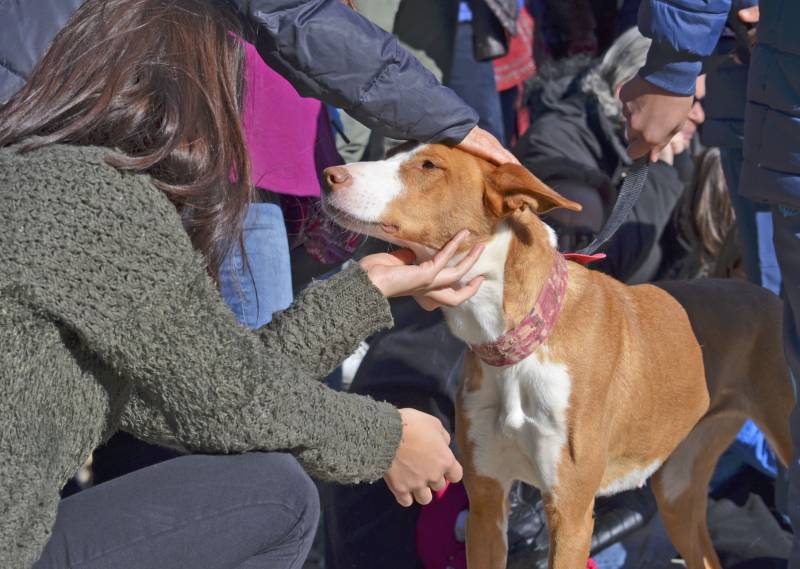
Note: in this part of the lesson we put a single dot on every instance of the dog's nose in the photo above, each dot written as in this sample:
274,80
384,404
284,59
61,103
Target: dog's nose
337,177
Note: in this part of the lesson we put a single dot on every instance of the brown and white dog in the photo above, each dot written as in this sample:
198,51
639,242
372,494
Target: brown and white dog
576,383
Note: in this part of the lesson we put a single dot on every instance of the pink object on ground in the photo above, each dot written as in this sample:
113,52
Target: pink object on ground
289,137
437,546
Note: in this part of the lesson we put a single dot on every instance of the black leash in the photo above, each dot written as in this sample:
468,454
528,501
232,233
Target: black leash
627,198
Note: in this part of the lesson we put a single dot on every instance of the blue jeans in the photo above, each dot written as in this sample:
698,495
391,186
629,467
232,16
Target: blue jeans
473,81
754,222
255,295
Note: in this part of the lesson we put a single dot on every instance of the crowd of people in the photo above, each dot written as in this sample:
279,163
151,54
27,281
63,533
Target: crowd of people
188,340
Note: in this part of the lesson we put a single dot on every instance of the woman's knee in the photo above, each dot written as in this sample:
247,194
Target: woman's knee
271,499
280,480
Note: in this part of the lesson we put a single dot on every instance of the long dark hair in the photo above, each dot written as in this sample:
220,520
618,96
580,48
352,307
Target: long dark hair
158,82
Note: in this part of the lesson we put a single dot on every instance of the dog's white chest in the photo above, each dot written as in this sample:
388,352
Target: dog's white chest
518,420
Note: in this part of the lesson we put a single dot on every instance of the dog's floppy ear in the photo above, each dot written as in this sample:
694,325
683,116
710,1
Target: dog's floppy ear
511,187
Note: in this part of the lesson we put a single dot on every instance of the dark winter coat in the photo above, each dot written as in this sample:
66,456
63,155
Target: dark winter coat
726,93
771,170
325,49
725,102
571,140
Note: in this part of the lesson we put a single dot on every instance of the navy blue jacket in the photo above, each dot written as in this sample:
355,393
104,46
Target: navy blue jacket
726,94
771,170
323,48
725,102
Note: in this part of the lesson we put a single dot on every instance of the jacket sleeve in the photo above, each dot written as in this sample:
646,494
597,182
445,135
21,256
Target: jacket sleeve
683,33
26,30
330,52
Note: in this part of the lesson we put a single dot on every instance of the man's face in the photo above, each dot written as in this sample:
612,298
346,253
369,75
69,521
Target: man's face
697,115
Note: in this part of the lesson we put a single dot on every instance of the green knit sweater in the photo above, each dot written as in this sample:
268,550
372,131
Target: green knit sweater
109,321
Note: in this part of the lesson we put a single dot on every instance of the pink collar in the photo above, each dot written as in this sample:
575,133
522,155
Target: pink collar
517,344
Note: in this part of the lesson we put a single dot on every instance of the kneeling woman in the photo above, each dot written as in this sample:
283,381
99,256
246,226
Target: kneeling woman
123,182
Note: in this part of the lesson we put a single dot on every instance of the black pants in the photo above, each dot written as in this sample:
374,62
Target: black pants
250,511
415,364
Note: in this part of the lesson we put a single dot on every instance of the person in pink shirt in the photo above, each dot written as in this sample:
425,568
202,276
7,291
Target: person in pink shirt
290,141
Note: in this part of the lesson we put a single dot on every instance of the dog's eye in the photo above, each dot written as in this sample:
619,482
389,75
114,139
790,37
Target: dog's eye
428,165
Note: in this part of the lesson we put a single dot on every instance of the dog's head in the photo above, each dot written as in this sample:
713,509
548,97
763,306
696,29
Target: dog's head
422,196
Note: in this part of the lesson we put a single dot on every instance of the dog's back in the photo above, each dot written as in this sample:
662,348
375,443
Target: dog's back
738,327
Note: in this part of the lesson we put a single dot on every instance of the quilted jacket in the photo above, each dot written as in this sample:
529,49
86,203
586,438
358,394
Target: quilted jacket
323,48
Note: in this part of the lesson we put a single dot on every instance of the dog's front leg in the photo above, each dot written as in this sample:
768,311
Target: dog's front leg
487,542
570,522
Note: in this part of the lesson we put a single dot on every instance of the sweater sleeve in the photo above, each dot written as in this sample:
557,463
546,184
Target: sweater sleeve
318,349
328,51
683,33
126,281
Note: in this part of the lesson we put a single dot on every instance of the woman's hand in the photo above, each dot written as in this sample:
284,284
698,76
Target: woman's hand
483,144
432,283
423,461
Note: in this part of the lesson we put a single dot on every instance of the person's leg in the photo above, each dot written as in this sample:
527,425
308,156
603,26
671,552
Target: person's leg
250,511
508,108
754,225
427,29
266,288
786,226
474,82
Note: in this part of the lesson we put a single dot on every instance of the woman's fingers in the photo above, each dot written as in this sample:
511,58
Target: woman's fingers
451,275
405,499
429,270
454,297
448,296
395,275
439,485
423,496
455,473
442,258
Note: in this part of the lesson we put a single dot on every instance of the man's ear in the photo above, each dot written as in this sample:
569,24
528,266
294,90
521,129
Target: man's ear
511,187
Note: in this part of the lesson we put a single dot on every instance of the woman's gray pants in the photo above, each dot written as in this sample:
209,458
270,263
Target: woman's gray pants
250,511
